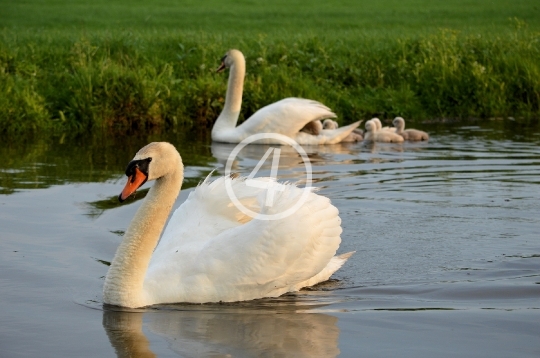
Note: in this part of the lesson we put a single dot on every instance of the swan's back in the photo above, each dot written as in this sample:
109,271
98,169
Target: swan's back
287,117
211,251
387,137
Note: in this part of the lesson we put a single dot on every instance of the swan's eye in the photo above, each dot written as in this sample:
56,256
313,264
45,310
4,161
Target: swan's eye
141,164
223,58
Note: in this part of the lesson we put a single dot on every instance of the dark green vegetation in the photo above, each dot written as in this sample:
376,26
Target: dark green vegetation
41,160
129,66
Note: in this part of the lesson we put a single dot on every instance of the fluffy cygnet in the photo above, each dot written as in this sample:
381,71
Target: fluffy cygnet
373,134
314,127
408,134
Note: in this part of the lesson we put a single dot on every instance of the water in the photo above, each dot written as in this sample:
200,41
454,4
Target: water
446,235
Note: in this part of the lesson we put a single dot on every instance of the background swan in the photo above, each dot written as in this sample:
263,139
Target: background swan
287,116
373,134
409,134
211,251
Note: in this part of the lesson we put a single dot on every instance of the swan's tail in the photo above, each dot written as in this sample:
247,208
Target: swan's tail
341,133
333,265
336,262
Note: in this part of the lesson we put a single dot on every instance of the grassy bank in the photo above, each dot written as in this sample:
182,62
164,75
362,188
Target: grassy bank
79,67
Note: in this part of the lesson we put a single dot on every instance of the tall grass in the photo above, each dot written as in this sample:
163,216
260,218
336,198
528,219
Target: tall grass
160,80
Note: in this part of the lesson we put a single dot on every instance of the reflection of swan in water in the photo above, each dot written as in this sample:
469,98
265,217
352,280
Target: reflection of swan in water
289,159
210,250
250,155
237,332
125,333
286,117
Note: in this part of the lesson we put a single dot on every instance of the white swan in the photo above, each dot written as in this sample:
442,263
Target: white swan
374,134
210,251
287,116
409,134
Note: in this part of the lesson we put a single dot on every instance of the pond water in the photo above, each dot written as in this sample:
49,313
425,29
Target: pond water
446,235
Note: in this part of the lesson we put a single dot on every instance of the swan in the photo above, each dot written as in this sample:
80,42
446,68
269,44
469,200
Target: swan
287,116
373,134
408,134
210,251
378,122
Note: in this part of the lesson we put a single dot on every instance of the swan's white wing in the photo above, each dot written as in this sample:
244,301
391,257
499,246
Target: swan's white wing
207,211
245,260
287,117
269,258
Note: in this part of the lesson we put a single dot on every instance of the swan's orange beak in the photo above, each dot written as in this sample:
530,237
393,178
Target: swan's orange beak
134,182
221,67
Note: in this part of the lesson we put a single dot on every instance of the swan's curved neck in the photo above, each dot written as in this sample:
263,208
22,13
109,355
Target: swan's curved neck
233,99
400,127
124,281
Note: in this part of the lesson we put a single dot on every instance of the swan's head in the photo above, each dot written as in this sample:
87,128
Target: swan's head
399,122
151,162
330,124
370,126
377,122
230,58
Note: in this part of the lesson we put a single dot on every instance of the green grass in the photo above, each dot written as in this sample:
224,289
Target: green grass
255,16
132,66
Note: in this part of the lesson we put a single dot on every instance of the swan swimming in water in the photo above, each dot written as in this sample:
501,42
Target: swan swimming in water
378,122
409,134
374,134
211,251
399,128
287,116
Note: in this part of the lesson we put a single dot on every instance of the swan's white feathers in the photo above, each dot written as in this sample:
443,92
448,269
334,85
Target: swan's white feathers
287,116
335,264
208,255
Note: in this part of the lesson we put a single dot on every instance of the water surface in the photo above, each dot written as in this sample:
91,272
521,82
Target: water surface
446,235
